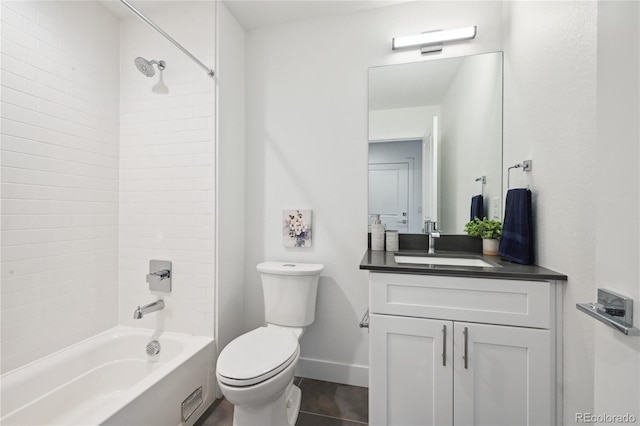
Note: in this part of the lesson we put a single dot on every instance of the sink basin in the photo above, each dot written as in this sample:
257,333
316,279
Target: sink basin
444,261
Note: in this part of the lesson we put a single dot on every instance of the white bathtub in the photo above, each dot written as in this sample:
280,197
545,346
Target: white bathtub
109,379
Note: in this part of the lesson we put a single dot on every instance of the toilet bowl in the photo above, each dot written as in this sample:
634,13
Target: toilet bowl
255,371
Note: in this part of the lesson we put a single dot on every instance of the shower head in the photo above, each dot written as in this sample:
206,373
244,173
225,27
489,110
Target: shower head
146,67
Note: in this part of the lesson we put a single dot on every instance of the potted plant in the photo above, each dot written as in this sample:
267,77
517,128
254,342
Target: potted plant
489,230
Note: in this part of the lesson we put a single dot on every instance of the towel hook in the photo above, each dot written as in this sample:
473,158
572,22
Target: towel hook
483,180
516,166
526,166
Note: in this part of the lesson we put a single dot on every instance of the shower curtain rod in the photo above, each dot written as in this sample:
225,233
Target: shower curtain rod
167,36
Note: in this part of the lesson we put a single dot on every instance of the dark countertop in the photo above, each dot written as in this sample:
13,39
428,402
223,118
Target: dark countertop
384,261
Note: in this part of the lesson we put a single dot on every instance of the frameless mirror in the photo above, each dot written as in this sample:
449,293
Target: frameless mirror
435,142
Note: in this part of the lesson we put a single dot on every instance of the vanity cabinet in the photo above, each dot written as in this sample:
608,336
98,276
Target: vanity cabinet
462,351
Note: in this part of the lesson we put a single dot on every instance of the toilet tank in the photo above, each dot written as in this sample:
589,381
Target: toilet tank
290,292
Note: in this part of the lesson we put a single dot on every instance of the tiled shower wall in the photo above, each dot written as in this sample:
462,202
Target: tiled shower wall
59,175
101,173
167,167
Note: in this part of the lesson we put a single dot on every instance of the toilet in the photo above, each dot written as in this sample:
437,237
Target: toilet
255,371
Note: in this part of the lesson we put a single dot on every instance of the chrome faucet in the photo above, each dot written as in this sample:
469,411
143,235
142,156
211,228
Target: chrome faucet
146,309
162,274
430,228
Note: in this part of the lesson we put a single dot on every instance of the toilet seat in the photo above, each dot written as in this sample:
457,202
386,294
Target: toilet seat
257,356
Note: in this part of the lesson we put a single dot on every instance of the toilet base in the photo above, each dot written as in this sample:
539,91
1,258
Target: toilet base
281,411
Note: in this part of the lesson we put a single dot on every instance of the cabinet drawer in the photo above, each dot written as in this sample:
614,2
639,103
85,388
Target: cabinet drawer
494,301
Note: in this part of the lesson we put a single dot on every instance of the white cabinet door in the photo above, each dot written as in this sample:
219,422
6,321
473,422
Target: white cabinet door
505,378
411,371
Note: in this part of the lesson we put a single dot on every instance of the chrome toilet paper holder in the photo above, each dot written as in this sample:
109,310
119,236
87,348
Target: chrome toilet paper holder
612,309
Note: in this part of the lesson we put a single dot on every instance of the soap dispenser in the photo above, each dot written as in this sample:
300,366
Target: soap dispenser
377,234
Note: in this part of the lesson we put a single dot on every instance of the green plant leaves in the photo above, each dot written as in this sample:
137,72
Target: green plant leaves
485,228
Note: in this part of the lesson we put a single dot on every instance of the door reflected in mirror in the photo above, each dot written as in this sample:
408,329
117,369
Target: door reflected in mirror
435,142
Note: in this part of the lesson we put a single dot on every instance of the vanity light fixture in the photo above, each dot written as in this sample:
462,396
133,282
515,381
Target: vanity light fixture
432,41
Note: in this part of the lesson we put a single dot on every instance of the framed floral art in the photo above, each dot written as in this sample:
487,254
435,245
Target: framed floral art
296,228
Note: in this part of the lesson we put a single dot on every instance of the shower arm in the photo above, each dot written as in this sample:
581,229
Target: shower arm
167,36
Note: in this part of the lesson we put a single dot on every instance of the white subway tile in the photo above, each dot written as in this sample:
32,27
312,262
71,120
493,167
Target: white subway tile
175,173
160,185
18,98
40,62
11,80
55,165
15,66
72,210
164,209
22,8
58,249
159,149
187,267
46,207
206,329
18,36
204,281
207,159
42,91
174,197
12,112
48,17
40,236
11,49
42,120
50,79
10,17
146,116
15,128
41,33
207,110
57,110
169,161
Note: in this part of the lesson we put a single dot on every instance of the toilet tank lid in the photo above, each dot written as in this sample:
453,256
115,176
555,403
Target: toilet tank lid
290,268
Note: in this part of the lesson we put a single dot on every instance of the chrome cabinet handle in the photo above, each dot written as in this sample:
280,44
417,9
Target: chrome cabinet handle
466,347
444,345
364,323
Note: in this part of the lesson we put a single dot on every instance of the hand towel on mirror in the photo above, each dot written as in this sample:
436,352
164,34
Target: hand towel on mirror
516,243
477,207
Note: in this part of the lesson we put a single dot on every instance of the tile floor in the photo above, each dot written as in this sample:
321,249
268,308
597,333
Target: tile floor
323,404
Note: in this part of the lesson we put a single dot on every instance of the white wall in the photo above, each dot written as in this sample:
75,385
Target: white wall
401,123
617,357
167,168
307,148
59,176
231,171
550,117
311,104
471,132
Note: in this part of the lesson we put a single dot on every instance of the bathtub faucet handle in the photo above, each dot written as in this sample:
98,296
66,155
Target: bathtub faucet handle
163,274
159,276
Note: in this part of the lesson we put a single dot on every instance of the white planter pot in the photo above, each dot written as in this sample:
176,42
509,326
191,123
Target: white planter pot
490,247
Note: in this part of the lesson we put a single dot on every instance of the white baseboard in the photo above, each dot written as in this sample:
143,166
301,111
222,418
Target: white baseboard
355,375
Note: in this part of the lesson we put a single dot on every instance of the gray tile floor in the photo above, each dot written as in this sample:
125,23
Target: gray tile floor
323,404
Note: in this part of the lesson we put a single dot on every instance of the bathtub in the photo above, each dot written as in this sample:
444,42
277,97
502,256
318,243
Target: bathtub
109,379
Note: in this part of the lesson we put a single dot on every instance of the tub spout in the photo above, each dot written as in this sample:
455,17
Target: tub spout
151,307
